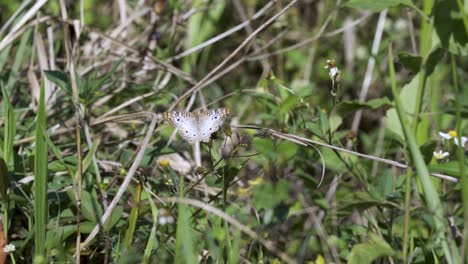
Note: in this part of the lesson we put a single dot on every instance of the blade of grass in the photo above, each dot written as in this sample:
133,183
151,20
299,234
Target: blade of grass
185,252
22,50
133,217
8,141
40,182
152,243
9,129
461,159
432,197
4,56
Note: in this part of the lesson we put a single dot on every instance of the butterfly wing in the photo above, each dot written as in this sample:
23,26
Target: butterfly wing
185,123
210,121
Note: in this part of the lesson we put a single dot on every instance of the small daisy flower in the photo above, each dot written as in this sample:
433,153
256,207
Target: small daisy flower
452,134
9,248
333,70
334,74
438,155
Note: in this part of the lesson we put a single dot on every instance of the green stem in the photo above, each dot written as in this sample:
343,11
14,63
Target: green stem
406,220
432,197
461,157
464,14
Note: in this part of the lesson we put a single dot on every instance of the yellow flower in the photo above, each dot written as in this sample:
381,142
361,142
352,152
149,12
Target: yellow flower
256,181
453,135
164,163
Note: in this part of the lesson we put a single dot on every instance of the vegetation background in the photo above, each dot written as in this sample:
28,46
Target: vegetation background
345,142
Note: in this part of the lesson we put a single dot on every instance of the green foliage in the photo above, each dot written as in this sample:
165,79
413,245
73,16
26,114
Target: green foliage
269,195
295,173
370,251
449,25
375,6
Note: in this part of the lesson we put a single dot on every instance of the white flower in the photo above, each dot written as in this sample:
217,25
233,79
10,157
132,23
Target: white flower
9,248
400,24
463,141
165,217
438,155
452,134
333,70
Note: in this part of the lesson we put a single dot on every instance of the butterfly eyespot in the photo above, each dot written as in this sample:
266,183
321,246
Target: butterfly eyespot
178,119
186,131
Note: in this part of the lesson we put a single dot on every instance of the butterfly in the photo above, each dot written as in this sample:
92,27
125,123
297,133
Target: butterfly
198,125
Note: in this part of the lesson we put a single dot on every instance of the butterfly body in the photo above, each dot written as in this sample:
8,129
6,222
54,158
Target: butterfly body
198,125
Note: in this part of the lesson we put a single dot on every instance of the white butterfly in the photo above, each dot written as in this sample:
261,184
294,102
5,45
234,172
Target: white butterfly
199,125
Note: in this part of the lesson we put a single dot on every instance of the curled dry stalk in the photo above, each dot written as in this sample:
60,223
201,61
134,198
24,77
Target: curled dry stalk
307,142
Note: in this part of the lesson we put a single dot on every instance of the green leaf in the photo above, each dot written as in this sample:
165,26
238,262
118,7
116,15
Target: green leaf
410,61
265,146
408,97
450,27
4,180
267,195
323,122
346,107
451,168
61,79
372,5
427,150
287,150
288,104
360,200
367,252
9,130
433,60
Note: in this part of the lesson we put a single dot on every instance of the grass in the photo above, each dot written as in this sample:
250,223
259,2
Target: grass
310,166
